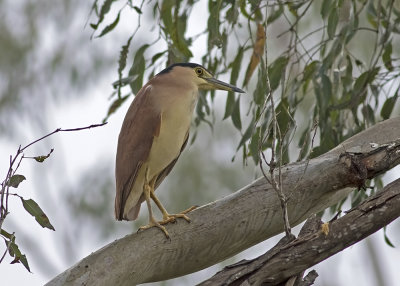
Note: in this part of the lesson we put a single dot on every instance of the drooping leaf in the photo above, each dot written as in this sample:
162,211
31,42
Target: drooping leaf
333,20
236,114
387,240
257,54
388,106
235,68
157,56
368,113
260,92
14,251
123,56
364,79
247,135
179,37
308,74
137,9
137,69
387,56
5,234
105,8
15,180
276,71
229,105
33,208
326,8
166,15
232,14
275,14
116,104
213,23
110,27
41,159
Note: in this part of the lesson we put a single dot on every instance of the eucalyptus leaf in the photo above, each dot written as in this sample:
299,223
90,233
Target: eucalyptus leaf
33,208
110,27
15,180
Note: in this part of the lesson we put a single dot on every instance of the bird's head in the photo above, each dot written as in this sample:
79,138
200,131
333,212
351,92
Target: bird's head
199,76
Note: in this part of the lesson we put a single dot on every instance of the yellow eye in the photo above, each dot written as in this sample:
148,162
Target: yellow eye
199,71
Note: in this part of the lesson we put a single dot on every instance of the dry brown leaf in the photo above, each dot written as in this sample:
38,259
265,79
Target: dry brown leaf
257,53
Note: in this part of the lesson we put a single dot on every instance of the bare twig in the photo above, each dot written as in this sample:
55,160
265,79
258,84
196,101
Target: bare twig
276,141
63,130
13,167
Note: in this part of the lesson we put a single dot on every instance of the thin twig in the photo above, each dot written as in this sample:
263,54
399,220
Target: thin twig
276,140
5,185
63,130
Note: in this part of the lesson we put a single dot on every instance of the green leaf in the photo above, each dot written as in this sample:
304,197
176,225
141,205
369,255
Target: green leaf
387,107
386,56
261,89
14,251
232,14
283,116
368,113
236,114
179,40
332,23
275,14
364,79
230,105
309,72
156,57
253,146
247,134
387,240
15,180
276,71
110,27
33,208
235,68
5,234
137,9
325,8
116,104
137,69
213,23
24,262
41,159
166,16
123,56
103,11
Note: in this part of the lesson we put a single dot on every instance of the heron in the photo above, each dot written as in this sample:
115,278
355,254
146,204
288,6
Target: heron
154,133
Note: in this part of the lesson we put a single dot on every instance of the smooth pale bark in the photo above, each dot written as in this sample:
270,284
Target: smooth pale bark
234,223
289,258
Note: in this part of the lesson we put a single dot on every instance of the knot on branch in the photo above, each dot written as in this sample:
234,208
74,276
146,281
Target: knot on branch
357,170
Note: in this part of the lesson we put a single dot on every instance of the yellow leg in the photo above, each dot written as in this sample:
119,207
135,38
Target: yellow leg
170,217
147,190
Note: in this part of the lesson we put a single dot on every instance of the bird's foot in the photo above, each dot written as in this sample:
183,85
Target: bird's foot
155,223
167,218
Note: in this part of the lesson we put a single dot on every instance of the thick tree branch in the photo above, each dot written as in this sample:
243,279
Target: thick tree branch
239,221
285,261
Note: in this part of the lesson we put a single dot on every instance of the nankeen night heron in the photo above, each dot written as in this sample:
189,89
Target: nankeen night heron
154,133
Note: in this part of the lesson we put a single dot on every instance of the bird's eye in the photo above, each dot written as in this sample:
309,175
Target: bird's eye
199,71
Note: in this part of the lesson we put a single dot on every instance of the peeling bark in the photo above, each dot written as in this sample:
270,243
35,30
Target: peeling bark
288,259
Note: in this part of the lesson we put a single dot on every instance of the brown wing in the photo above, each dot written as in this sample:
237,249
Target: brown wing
142,122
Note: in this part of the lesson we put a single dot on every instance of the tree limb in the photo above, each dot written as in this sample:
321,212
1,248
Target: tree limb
234,223
285,261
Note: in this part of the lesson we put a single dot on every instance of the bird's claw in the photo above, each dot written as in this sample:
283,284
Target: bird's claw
156,224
